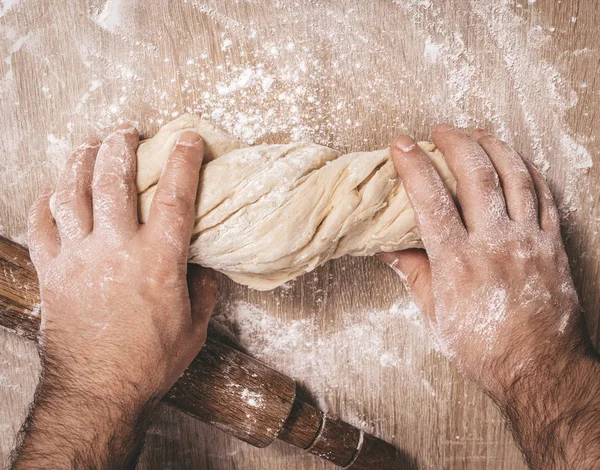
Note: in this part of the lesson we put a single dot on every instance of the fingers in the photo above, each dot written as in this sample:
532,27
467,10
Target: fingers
517,184
477,183
202,286
548,213
114,194
73,199
172,212
44,242
437,216
414,269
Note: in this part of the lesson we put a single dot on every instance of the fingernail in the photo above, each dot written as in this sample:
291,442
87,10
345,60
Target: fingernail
126,128
47,192
91,142
404,143
189,138
444,128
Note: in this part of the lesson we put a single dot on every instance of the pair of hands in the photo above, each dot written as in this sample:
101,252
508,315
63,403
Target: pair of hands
118,324
494,285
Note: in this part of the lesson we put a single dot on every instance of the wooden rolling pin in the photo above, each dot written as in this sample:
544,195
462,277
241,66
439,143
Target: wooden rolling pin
222,387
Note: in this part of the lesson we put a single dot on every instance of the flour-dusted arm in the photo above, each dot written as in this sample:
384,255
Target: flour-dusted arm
496,290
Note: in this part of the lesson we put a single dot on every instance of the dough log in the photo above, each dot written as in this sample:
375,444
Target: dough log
269,213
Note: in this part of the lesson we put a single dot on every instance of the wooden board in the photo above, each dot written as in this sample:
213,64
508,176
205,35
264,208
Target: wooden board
349,74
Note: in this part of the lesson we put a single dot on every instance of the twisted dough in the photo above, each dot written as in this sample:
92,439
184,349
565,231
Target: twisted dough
269,213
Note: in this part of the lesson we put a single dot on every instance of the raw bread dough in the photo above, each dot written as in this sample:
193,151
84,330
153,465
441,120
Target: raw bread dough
269,213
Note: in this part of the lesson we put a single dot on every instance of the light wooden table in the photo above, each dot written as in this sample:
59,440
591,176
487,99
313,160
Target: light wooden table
350,74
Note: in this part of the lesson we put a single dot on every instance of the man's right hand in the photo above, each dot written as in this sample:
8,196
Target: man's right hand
496,289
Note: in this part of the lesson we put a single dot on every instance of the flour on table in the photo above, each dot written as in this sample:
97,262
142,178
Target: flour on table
111,16
281,88
7,5
315,360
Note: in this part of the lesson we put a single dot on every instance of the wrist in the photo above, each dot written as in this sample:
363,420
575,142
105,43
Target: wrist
553,406
88,400
94,385
548,376
69,426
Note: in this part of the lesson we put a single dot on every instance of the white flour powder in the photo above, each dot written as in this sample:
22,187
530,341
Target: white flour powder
321,361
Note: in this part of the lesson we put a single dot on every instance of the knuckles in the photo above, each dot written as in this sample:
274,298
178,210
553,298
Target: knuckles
491,141
65,198
486,179
184,157
173,200
522,184
108,182
501,252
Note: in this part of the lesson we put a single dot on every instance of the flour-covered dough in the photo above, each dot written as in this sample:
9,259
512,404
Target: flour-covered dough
269,213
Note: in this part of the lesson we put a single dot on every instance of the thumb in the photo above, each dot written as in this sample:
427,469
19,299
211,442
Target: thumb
413,268
202,286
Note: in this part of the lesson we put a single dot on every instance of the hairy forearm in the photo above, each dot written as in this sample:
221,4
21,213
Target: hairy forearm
554,412
70,429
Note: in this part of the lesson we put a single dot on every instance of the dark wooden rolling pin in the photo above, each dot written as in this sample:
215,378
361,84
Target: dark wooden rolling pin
222,386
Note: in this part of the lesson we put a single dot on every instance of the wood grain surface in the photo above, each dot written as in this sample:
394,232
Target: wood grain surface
349,74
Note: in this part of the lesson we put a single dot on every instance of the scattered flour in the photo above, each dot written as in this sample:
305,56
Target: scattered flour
58,148
15,42
527,72
285,88
315,360
432,51
111,16
7,5
253,399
